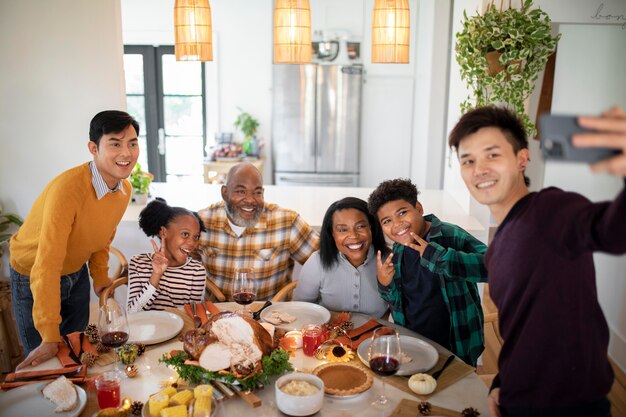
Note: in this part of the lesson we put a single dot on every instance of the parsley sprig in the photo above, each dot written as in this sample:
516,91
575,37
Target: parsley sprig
276,363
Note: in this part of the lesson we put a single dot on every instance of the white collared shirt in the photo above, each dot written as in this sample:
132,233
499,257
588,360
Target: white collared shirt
99,185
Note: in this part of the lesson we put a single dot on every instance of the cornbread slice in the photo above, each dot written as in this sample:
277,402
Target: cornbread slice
62,393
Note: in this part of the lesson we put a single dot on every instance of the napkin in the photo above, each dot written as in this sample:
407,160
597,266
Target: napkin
365,331
47,375
201,310
72,347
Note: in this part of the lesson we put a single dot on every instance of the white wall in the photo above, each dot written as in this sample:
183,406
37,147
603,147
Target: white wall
61,63
596,87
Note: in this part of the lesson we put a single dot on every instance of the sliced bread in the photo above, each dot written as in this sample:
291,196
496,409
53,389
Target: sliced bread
61,392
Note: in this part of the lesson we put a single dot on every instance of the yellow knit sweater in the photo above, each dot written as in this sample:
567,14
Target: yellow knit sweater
66,227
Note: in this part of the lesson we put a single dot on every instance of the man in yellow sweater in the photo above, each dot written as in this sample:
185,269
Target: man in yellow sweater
66,237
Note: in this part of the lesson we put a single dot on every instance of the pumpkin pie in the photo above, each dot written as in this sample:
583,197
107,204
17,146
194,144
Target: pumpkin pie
344,379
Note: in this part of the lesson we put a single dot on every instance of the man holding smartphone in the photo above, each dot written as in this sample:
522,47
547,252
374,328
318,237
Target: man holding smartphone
540,266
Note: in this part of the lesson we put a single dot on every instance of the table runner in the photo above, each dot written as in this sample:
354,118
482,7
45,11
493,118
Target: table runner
408,408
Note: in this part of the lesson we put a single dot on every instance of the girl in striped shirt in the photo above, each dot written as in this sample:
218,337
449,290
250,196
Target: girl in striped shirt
169,277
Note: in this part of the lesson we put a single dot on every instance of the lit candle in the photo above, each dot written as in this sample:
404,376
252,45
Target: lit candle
126,403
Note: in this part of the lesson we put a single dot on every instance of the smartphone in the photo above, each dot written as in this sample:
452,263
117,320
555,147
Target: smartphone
556,141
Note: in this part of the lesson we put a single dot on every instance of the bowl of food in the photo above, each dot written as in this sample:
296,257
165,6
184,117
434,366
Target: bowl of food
299,394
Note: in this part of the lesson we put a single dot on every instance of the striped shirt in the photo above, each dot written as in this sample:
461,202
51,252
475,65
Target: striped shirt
270,248
100,187
178,286
456,259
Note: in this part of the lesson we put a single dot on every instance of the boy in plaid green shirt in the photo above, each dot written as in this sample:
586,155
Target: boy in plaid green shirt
430,278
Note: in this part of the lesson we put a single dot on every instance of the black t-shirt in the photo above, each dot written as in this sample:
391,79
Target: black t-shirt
425,311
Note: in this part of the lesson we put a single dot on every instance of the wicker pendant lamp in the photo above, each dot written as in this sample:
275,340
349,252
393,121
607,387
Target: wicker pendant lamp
292,32
390,32
192,30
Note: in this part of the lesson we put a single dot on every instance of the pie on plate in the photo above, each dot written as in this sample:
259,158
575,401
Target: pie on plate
344,379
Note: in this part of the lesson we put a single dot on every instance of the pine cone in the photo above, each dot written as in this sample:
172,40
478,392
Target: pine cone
424,408
141,348
347,325
131,371
136,407
92,333
470,412
100,348
88,358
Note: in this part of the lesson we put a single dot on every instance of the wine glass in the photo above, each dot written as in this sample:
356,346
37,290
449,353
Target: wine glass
113,326
244,292
384,357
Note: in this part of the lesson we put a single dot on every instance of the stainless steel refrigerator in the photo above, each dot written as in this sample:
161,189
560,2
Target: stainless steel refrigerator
316,122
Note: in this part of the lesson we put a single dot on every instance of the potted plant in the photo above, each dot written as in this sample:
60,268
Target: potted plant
517,42
140,180
6,221
248,126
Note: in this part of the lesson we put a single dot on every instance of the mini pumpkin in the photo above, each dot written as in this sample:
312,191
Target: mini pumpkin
422,384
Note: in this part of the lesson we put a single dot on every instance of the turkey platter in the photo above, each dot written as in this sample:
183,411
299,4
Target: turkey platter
229,343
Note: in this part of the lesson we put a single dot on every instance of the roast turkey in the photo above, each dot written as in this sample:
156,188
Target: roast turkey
229,342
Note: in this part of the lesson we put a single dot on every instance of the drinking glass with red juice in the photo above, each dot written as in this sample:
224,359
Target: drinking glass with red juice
312,337
108,390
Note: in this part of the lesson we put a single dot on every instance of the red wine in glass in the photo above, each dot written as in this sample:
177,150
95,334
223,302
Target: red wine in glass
113,326
244,292
244,298
114,339
384,354
384,365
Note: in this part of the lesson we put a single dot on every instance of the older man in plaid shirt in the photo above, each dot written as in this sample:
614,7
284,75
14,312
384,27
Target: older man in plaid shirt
244,231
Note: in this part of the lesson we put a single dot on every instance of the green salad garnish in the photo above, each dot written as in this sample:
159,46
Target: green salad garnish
276,363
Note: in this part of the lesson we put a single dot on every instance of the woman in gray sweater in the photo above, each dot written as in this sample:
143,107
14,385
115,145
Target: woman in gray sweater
341,276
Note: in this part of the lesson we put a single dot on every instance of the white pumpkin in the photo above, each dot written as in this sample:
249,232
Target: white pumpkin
423,384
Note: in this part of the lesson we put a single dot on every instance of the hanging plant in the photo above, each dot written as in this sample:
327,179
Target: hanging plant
519,40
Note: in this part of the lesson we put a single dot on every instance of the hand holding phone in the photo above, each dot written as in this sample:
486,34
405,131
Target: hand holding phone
556,141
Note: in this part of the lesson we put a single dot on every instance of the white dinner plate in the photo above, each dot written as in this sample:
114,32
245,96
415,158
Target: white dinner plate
305,313
28,400
150,327
423,355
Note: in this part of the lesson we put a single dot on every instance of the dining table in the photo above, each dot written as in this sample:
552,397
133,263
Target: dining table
468,391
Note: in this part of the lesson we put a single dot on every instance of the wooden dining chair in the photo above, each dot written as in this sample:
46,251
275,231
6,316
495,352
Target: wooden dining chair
214,291
118,273
493,340
285,293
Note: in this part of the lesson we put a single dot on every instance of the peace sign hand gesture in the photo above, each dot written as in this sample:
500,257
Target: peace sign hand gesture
159,262
386,270
419,245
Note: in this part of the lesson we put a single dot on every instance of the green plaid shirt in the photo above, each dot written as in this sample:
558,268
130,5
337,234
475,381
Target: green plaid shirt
456,258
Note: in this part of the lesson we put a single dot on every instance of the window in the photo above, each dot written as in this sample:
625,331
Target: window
167,99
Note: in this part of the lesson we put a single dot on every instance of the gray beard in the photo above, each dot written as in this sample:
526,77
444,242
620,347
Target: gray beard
234,216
